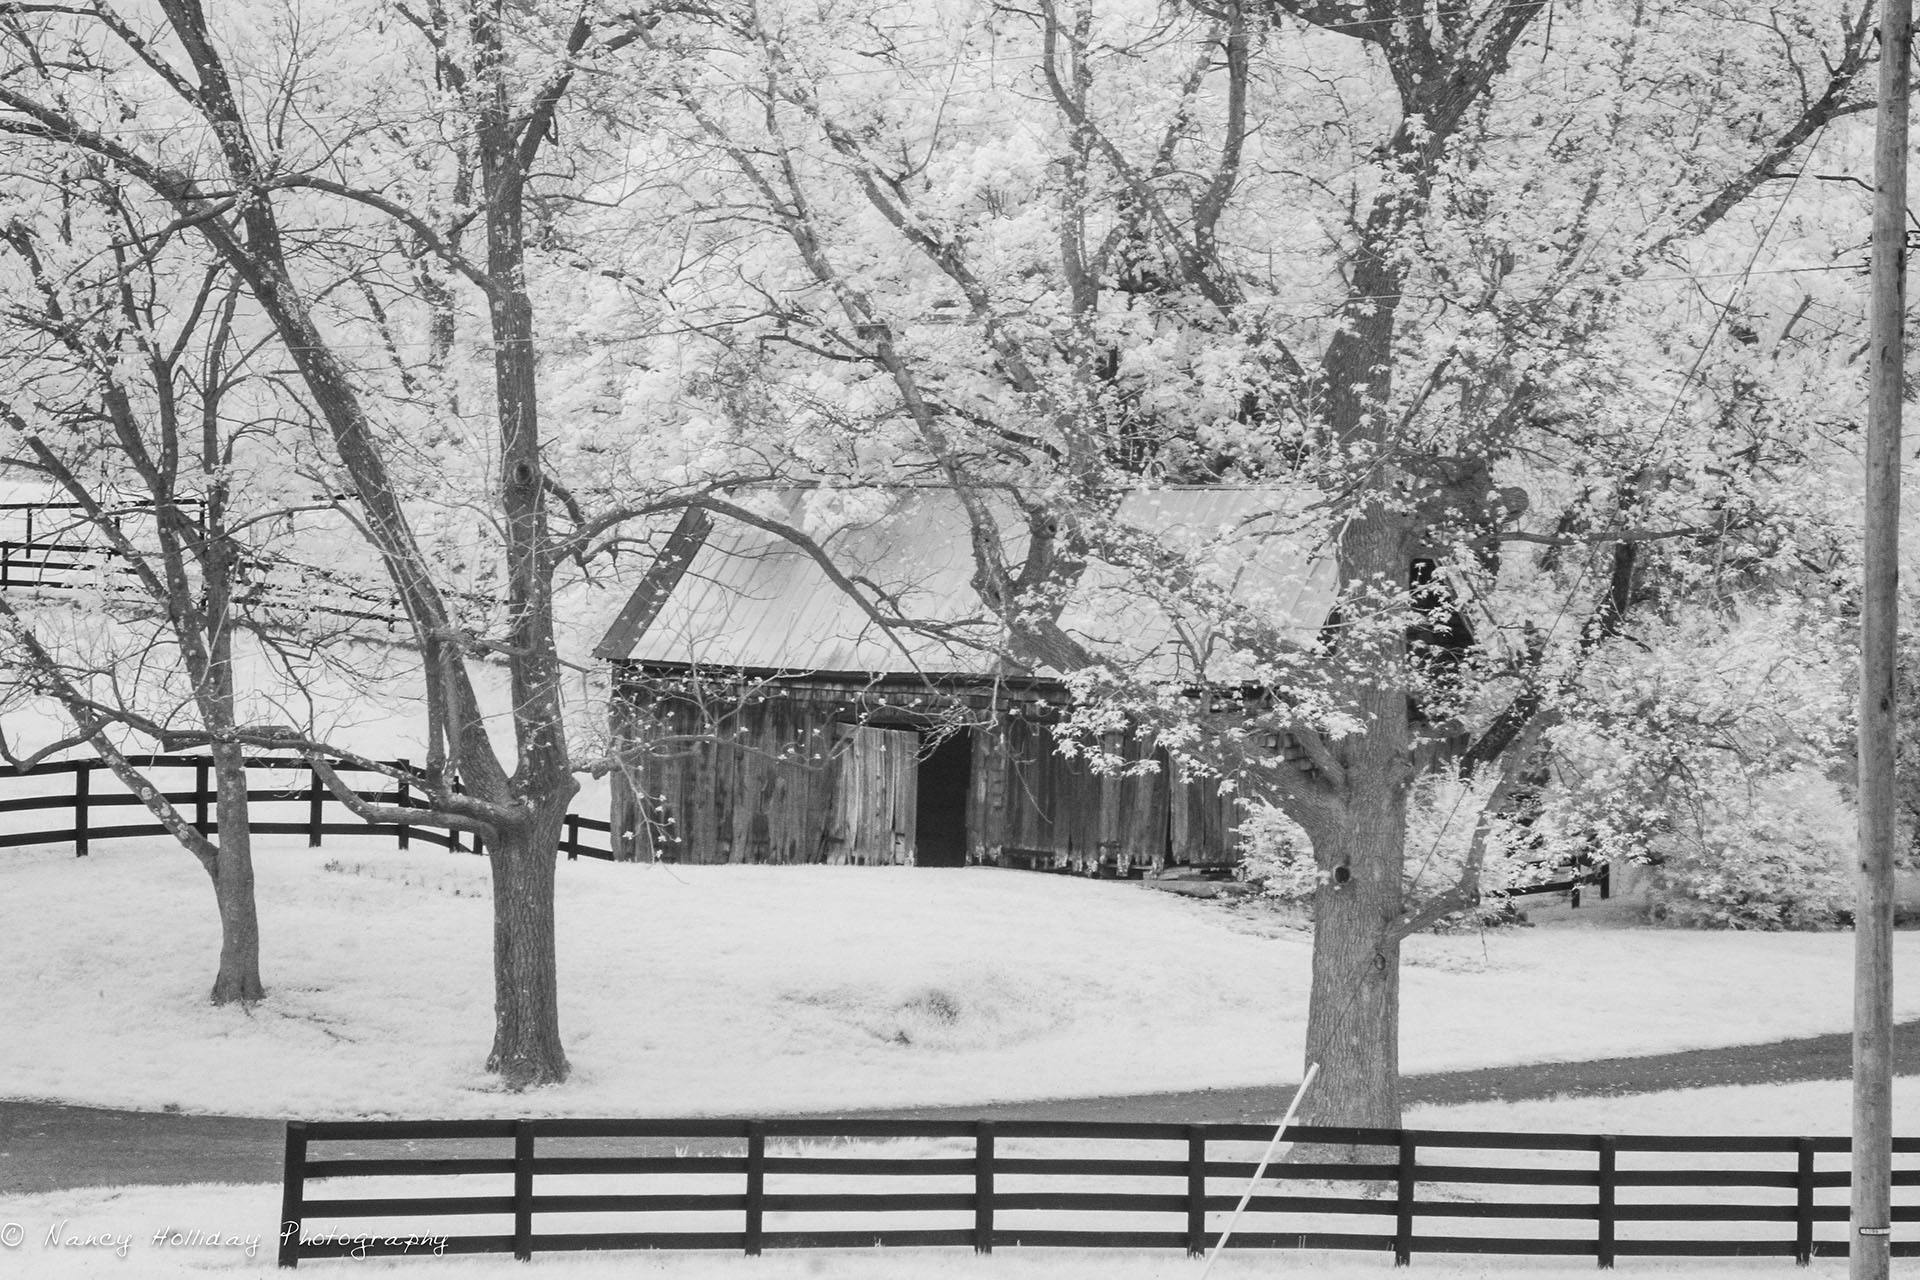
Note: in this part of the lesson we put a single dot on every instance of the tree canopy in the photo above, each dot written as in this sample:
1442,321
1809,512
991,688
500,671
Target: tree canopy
1531,313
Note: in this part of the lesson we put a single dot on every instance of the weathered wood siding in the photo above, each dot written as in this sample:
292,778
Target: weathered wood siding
1133,808
987,797
752,784
777,795
1202,822
876,787
785,778
1032,804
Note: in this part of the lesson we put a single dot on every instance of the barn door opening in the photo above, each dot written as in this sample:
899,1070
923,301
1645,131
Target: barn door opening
940,825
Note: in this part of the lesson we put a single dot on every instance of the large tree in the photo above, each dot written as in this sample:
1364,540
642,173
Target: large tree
133,408
368,176
1427,268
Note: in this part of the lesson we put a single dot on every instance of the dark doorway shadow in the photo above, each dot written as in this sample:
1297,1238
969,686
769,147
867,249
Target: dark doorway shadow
940,820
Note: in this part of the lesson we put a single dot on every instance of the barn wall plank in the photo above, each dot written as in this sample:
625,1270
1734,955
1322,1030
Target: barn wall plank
903,788
987,798
1203,822
866,823
1183,834
1030,787
1143,808
1078,793
623,804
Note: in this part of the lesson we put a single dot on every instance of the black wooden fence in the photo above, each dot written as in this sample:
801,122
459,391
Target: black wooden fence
1571,880
63,558
42,564
259,583
304,807
1035,1183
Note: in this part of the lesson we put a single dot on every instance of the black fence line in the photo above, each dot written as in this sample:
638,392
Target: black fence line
988,1199
324,810
1599,875
28,562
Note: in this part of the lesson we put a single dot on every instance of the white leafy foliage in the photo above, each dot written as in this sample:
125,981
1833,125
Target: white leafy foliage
1767,853
1443,812
1703,749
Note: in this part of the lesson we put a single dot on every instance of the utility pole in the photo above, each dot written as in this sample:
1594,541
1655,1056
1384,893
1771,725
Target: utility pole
1870,1229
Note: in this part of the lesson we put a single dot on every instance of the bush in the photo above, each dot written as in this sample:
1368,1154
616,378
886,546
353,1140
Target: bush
1771,857
1276,857
1442,811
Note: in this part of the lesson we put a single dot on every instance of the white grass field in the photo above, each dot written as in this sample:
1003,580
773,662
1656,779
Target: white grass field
740,990
719,990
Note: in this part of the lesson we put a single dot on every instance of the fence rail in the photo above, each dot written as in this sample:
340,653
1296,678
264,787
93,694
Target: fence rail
43,564
1571,880
62,557
259,583
320,812
559,1185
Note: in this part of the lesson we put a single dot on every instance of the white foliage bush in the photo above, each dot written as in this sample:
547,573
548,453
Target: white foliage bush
1772,855
1441,813
1276,855
1701,747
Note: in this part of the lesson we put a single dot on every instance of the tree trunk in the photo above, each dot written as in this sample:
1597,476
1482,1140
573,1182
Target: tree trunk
526,1003
232,874
1353,1020
526,1044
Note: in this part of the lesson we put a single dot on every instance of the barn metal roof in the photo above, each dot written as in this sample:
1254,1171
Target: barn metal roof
726,594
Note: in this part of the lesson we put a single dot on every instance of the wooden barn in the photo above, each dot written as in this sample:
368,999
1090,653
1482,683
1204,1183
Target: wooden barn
761,716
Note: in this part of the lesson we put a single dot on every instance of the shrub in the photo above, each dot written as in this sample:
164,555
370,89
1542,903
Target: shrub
1773,856
1276,857
1441,813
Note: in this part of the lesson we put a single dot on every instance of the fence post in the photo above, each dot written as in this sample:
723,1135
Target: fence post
200,795
1196,1191
315,797
573,838
1803,1214
756,1184
82,784
400,799
523,1190
293,1193
453,833
983,1186
1608,1169
1403,1221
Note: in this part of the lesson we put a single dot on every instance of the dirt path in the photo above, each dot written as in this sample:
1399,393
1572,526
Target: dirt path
46,1146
